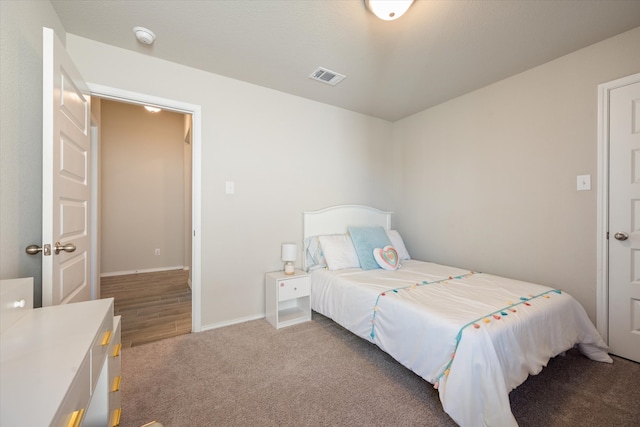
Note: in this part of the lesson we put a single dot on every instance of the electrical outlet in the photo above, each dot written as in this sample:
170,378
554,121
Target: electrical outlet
157,251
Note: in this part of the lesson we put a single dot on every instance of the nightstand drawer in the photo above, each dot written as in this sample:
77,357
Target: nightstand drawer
293,288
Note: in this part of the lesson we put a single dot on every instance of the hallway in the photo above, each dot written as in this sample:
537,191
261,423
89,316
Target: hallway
153,306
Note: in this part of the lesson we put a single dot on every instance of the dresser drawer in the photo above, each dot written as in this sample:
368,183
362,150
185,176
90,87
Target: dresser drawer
76,400
115,403
293,288
101,344
115,349
114,417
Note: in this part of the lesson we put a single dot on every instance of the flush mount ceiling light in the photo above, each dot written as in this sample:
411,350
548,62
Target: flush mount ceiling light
388,10
152,109
144,35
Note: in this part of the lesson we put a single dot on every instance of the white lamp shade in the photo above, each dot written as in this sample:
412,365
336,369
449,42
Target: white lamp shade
289,251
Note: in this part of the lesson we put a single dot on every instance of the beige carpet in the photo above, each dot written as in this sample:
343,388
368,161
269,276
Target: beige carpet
318,374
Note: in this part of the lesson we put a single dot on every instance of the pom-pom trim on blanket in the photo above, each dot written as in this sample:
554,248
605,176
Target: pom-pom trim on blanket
476,323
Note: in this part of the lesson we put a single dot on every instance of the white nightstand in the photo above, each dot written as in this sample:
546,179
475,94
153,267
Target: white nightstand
287,298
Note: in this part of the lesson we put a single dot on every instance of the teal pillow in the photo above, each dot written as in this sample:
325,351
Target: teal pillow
365,240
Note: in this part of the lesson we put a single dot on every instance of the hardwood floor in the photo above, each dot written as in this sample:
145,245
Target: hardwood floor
153,306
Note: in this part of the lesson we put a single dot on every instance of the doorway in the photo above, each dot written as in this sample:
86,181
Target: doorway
145,200
194,134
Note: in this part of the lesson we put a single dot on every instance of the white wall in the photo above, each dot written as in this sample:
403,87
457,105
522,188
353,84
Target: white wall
142,180
285,154
489,179
21,25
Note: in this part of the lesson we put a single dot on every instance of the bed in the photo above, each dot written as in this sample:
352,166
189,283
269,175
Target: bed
474,336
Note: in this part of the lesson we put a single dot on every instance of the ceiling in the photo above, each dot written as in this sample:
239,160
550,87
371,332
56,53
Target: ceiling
437,51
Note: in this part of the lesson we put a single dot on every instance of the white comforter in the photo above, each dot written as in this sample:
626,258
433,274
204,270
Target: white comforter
500,330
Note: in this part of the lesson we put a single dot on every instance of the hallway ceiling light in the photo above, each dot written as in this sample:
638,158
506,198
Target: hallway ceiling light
388,10
144,35
152,109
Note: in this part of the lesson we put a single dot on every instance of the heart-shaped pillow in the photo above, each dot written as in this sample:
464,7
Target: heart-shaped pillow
387,257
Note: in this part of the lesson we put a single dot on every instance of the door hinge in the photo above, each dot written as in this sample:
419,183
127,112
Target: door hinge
607,235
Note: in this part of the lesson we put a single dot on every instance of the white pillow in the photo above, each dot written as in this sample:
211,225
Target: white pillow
339,252
398,244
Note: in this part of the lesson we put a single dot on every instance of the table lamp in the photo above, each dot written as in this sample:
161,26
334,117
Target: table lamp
289,251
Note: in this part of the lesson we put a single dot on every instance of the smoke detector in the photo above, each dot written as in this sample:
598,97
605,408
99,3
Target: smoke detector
144,35
326,76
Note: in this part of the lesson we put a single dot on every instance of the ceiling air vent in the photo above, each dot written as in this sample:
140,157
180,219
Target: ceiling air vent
326,76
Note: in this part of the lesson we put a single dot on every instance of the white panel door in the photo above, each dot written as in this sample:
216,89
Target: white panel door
624,221
66,189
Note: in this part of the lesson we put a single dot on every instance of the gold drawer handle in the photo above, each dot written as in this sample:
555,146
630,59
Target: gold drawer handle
76,417
107,338
116,383
115,418
116,350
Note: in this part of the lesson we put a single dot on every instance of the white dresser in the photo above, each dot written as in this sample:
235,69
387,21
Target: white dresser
60,365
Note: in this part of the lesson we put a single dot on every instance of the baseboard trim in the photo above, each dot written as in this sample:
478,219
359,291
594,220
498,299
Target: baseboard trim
231,322
142,270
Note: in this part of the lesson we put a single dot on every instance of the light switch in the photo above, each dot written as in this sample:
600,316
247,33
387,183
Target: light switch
229,187
584,182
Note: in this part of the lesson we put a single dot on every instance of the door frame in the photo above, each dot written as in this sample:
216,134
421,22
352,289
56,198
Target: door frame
194,110
602,247
94,220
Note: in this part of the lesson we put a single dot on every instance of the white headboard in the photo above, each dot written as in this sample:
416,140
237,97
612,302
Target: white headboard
337,220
